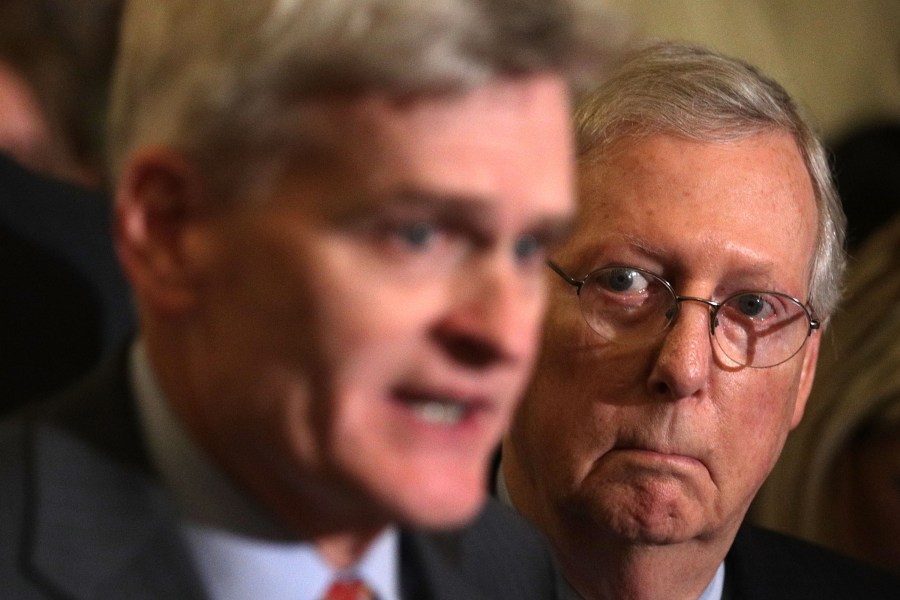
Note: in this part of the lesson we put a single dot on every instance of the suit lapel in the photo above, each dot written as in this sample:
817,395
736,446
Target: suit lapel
101,526
429,570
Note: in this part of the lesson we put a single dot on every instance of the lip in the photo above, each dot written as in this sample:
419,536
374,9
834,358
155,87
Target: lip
657,456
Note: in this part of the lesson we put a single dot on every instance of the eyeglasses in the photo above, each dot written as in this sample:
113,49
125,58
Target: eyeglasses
627,305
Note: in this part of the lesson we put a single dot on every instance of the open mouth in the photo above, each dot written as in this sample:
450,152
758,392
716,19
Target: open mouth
437,412
434,409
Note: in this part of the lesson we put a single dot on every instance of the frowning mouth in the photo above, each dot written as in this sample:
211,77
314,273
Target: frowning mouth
658,455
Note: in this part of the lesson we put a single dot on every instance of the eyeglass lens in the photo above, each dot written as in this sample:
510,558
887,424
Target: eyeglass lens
629,305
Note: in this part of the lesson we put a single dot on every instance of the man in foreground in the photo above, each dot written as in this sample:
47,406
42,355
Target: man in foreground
334,216
686,313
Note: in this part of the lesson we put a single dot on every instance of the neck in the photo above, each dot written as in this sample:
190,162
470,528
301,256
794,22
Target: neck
623,570
342,551
229,490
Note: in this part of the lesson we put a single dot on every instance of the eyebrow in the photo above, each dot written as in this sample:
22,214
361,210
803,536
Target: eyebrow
469,212
364,206
645,246
743,264
590,253
445,205
760,266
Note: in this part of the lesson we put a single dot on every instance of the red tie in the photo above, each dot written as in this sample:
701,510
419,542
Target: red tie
349,589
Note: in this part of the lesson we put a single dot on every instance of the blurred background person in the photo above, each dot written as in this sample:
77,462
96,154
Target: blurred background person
838,481
65,303
55,62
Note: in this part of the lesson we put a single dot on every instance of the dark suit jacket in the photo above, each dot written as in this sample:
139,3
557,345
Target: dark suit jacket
82,515
64,302
764,565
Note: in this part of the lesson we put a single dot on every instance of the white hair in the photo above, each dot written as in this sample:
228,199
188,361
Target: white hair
692,92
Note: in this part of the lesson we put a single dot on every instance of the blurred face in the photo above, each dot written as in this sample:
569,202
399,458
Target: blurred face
361,337
28,134
668,440
24,132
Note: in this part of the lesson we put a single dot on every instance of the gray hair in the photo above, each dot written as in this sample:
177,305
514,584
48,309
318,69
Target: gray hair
692,92
217,78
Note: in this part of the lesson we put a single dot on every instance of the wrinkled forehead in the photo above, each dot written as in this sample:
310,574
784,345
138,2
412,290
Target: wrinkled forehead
677,203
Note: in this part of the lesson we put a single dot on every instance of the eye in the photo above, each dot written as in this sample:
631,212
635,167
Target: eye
417,235
527,247
426,243
623,279
754,306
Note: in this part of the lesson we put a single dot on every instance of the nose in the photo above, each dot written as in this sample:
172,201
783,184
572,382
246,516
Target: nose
492,317
681,367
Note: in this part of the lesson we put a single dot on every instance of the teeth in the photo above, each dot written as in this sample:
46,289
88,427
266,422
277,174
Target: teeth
439,413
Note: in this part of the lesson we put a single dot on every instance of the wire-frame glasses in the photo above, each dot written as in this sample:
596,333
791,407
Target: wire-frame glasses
629,305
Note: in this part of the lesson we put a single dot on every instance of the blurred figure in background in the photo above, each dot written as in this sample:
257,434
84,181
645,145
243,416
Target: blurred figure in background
65,303
838,480
55,62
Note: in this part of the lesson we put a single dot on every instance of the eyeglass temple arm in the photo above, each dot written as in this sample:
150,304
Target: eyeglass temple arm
564,275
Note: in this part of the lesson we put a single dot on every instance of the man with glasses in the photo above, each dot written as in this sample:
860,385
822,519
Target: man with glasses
684,326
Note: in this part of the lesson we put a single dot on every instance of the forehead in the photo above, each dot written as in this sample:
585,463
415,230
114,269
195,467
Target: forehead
712,209
506,136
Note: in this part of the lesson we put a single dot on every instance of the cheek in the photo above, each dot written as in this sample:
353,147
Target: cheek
372,330
754,421
368,342
564,423
772,404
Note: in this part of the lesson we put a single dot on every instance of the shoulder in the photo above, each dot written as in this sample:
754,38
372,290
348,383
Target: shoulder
501,555
67,434
97,413
14,506
75,482
770,565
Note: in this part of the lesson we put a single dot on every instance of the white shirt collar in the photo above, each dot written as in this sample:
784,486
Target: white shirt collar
234,567
714,590
240,552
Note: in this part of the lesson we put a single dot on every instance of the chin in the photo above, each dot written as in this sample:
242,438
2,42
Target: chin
654,534
653,525
442,506
632,518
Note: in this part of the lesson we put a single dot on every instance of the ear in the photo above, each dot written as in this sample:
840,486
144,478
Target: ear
161,201
807,375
